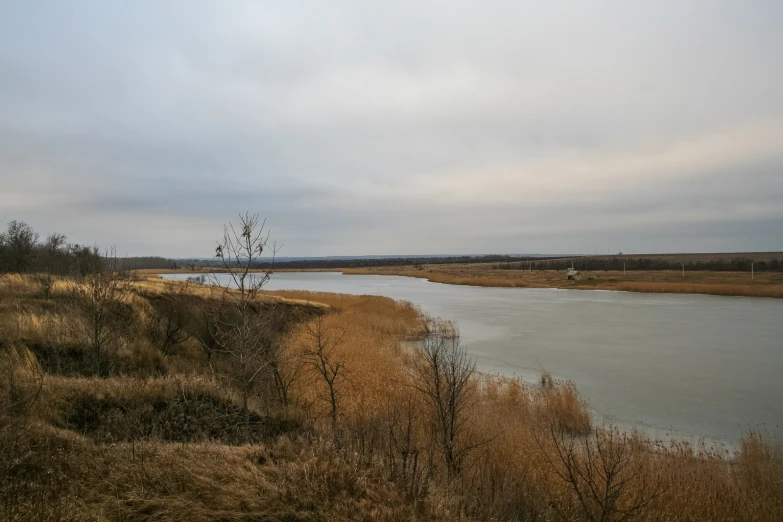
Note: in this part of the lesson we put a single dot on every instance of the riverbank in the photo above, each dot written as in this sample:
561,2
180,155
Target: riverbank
767,284
607,341
761,284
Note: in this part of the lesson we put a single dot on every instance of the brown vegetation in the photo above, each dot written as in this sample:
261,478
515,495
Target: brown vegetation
765,284
156,434
746,290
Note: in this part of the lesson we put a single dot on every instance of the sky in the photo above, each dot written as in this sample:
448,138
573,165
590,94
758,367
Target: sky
396,127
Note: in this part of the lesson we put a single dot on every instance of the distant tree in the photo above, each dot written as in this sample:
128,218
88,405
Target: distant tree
85,260
52,259
197,279
18,247
146,262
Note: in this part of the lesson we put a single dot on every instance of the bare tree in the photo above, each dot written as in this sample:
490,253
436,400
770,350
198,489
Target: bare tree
321,355
100,296
85,260
240,331
169,324
405,458
286,368
18,247
443,375
608,472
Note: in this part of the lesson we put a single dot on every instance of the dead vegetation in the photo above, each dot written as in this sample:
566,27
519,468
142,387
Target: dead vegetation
746,290
370,430
762,284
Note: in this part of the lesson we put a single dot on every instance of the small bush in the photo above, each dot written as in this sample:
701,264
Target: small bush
188,417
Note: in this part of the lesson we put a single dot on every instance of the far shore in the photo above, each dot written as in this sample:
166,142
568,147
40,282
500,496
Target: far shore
760,284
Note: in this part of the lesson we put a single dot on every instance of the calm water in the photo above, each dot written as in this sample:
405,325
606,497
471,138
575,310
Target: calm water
671,364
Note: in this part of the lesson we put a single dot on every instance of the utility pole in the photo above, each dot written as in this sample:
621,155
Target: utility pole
752,271
683,270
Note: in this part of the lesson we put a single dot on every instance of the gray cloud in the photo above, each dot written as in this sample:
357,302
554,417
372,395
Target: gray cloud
396,127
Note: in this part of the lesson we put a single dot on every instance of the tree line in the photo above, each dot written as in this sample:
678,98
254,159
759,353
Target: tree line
377,262
22,250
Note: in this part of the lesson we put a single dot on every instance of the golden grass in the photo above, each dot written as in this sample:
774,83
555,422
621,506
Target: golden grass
59,388
364,471
370,329
766,284
156,285
703,288
435,276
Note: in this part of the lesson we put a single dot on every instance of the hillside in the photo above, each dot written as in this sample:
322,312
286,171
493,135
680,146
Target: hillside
340,417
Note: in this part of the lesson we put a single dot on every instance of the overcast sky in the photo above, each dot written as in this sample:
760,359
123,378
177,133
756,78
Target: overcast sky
396,127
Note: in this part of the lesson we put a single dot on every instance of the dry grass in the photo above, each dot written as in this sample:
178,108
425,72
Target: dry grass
370,329
765,284
153,284
703,288
80,453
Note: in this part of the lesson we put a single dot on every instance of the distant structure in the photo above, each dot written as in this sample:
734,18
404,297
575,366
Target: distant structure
572,275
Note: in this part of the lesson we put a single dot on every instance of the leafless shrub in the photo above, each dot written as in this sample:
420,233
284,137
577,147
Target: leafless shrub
443,376
286,368
197,279
407,459
169,323
609,474
239,330
99,295
46,282
545,378
321,355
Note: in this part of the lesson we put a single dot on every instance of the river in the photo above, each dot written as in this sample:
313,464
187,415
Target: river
674,365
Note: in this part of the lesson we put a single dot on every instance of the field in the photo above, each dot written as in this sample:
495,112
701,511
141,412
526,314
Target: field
142,429
765,284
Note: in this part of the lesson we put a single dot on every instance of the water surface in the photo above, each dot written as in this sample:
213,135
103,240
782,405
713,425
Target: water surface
674,364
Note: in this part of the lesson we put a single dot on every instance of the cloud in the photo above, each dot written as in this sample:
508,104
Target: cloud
395,127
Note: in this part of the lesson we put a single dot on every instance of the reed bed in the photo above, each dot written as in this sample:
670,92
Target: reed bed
446,278
702,288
